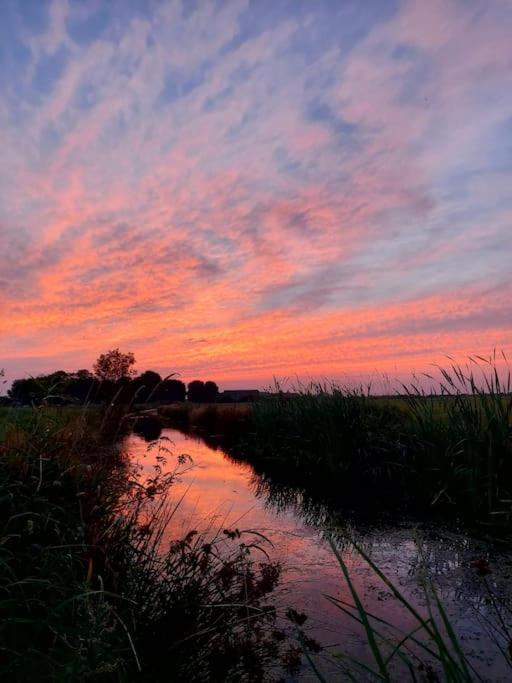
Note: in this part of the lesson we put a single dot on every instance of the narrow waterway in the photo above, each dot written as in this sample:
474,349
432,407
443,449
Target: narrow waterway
225,493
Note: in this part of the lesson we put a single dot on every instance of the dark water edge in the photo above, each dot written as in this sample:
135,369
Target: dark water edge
298,523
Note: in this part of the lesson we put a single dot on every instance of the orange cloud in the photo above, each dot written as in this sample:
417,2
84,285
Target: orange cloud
276,199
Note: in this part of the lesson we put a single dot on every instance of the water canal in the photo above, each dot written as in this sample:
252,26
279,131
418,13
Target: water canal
221,492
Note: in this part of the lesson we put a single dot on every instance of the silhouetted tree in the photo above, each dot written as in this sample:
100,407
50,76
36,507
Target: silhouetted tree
146,386
211,392
106,391
54,387
82,386
22,391
37,389
114,365
112,381
195,391
171,390
202,392
123,390
83,374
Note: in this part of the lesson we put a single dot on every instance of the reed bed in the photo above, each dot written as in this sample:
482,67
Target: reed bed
446,448
441,446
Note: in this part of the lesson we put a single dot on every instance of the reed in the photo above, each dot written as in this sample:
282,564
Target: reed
445,449
429,650
460,435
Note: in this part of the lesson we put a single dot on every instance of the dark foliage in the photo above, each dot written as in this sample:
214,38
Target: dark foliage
202,392
114,365
171,390
79,388
146,385
87,591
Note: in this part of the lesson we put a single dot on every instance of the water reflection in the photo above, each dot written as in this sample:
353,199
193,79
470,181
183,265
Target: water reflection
221,492
148,427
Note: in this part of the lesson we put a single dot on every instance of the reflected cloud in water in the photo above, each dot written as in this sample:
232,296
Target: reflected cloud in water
222,491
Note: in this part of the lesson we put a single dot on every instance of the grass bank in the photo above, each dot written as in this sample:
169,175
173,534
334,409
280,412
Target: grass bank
89,589
446,450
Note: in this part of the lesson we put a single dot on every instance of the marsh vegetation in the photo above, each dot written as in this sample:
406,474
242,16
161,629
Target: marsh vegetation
442,448
87,589
97,582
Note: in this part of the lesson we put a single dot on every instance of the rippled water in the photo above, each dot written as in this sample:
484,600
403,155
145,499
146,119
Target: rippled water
222,492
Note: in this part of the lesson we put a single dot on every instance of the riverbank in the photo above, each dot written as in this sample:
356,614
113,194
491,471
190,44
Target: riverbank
86,590
443,454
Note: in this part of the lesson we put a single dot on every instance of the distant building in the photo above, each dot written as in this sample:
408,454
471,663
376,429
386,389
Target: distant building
239,395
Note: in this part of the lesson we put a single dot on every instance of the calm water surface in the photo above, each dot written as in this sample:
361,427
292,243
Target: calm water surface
221,492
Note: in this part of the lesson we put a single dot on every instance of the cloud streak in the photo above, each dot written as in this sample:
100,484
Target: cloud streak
307,189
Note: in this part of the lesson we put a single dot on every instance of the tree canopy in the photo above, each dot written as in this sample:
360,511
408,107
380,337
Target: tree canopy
114,365
202,392
113,380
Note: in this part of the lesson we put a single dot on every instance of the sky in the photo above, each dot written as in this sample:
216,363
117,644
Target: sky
245,189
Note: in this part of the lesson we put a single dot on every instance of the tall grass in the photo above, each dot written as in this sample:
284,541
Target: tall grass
461,435
444,449
91,587
429,649
53,625
331,430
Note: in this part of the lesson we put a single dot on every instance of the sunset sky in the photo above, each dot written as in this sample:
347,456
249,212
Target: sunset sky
235,190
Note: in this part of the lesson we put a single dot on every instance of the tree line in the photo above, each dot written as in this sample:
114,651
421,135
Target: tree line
113,378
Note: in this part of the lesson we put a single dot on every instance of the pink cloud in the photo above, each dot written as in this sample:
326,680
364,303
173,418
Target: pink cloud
360,238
